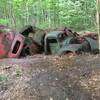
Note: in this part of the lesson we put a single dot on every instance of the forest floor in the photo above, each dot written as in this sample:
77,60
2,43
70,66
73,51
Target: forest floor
41,77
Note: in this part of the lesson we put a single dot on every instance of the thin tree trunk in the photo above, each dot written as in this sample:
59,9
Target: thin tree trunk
97,20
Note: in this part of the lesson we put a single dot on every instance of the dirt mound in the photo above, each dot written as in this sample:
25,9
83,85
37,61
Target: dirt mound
42,77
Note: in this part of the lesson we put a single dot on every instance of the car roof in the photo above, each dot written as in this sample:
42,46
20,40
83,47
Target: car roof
54,34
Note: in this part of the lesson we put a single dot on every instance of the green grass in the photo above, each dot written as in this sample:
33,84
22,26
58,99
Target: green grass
18,72
3,78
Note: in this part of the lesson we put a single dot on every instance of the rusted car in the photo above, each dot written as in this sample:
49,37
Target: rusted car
34,40
57,42
11,43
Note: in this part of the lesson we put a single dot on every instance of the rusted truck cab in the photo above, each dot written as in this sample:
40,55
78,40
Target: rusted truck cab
11,43
54,41
57,42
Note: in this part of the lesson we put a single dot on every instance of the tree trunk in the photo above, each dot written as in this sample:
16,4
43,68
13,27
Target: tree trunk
98,21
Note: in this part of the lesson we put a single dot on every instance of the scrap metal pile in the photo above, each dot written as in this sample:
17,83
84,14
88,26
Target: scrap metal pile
33,40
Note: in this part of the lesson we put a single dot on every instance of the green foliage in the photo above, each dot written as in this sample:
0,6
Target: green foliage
3,21
3,78
79,14
18,72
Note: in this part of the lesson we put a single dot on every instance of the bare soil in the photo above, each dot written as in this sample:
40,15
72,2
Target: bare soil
41,77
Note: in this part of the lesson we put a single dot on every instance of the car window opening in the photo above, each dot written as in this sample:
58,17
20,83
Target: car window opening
16,47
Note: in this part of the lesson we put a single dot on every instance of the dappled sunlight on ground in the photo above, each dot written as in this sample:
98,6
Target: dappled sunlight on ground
41,77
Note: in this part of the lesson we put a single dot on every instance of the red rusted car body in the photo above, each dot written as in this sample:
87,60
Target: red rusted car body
11,43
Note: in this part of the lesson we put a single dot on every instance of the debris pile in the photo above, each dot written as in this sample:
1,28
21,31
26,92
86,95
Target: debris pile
33,40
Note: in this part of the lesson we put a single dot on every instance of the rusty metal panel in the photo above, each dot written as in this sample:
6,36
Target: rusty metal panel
93,43
70,48
8,39
17,46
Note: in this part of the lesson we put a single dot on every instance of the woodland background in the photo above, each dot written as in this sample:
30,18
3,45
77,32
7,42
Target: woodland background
77,14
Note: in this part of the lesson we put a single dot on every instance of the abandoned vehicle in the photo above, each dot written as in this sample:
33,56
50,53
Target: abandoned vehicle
57,42
13,44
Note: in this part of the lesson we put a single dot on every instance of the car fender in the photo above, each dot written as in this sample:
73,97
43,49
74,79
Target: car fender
70,48
93,43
